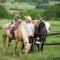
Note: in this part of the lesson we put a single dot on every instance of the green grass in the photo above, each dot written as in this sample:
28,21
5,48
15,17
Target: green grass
50,52
55,25
3,22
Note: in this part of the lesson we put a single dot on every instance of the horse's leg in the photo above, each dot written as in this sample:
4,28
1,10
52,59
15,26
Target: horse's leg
20,47
16,42
45,36
32,44
4,42
9,41
38,46
42,45
35,44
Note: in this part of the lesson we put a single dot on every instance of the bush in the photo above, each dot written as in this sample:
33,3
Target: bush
4,12
35,14
52,12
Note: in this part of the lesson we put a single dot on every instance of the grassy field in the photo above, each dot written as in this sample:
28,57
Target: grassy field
50,52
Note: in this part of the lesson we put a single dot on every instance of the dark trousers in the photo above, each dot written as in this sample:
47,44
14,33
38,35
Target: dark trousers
31,41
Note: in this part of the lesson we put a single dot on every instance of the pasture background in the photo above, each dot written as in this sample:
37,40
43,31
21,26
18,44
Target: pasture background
50,52
47,9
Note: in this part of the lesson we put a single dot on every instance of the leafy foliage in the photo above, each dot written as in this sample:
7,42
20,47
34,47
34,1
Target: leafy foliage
3,12
35,14
52,12
2,1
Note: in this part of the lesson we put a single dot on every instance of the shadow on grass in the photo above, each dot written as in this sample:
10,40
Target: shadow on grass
57,58
52,43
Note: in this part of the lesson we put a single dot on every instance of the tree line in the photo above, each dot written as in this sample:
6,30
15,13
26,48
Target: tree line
33,1
50,13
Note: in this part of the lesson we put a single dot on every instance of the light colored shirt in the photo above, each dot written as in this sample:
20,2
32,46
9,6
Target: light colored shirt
29,29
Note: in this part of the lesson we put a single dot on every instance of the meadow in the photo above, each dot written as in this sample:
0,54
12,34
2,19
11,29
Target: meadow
50,51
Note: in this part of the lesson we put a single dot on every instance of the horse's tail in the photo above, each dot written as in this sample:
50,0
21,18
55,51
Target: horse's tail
4,36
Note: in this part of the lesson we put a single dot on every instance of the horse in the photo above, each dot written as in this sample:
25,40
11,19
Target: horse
40,35
20,35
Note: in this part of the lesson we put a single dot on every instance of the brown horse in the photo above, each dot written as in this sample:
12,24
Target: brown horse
40,35
20,36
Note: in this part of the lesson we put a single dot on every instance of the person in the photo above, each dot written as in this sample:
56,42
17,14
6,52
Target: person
16,18
10,27
34,23
30,31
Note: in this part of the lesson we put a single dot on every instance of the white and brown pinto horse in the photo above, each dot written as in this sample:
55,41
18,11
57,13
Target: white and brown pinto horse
20,36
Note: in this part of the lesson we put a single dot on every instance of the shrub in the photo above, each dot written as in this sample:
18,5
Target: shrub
35,14
4,12
52,12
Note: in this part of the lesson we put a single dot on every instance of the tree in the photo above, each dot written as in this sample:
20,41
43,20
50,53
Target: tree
52,12
3,12
2,1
